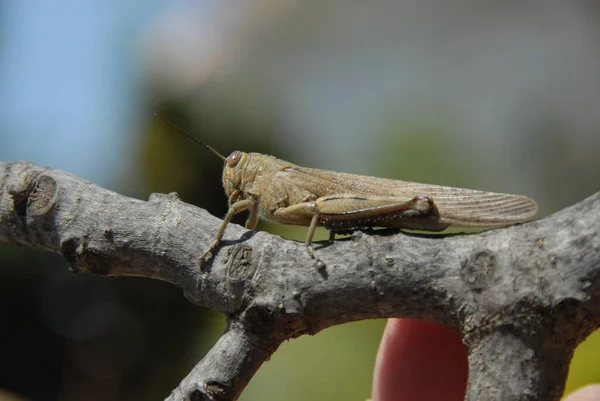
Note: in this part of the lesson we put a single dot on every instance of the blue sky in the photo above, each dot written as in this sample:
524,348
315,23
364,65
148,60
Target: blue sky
69,83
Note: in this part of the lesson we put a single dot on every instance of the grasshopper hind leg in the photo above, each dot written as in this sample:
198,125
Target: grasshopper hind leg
345,213
418,211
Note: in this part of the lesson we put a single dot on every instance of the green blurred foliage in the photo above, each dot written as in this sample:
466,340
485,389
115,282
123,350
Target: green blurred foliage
421,149
585,365
335,364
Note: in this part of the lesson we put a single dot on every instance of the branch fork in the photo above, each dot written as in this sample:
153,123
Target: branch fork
521,297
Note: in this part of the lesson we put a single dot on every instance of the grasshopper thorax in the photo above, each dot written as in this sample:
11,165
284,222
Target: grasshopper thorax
233,172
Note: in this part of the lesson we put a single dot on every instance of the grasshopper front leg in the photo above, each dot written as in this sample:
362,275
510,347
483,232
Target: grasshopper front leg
234,208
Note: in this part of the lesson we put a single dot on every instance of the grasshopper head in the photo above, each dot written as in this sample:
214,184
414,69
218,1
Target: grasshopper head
233,171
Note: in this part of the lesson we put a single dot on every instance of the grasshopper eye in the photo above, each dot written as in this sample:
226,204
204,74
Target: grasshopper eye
234,159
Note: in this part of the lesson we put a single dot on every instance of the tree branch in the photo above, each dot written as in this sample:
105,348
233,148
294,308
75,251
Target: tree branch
521,297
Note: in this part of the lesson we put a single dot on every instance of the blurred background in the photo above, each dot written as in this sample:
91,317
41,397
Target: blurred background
500,96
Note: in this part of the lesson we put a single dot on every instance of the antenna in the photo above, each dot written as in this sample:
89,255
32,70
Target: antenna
189,136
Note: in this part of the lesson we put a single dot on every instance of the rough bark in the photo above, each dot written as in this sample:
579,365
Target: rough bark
521,297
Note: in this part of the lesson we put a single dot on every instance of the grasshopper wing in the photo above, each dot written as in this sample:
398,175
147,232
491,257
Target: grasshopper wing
455,206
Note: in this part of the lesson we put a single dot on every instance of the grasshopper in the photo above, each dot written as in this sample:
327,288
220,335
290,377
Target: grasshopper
282,192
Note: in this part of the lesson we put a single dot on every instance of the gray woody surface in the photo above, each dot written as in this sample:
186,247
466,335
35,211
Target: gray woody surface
521,297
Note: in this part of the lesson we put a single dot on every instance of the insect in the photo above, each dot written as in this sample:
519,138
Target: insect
279,191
